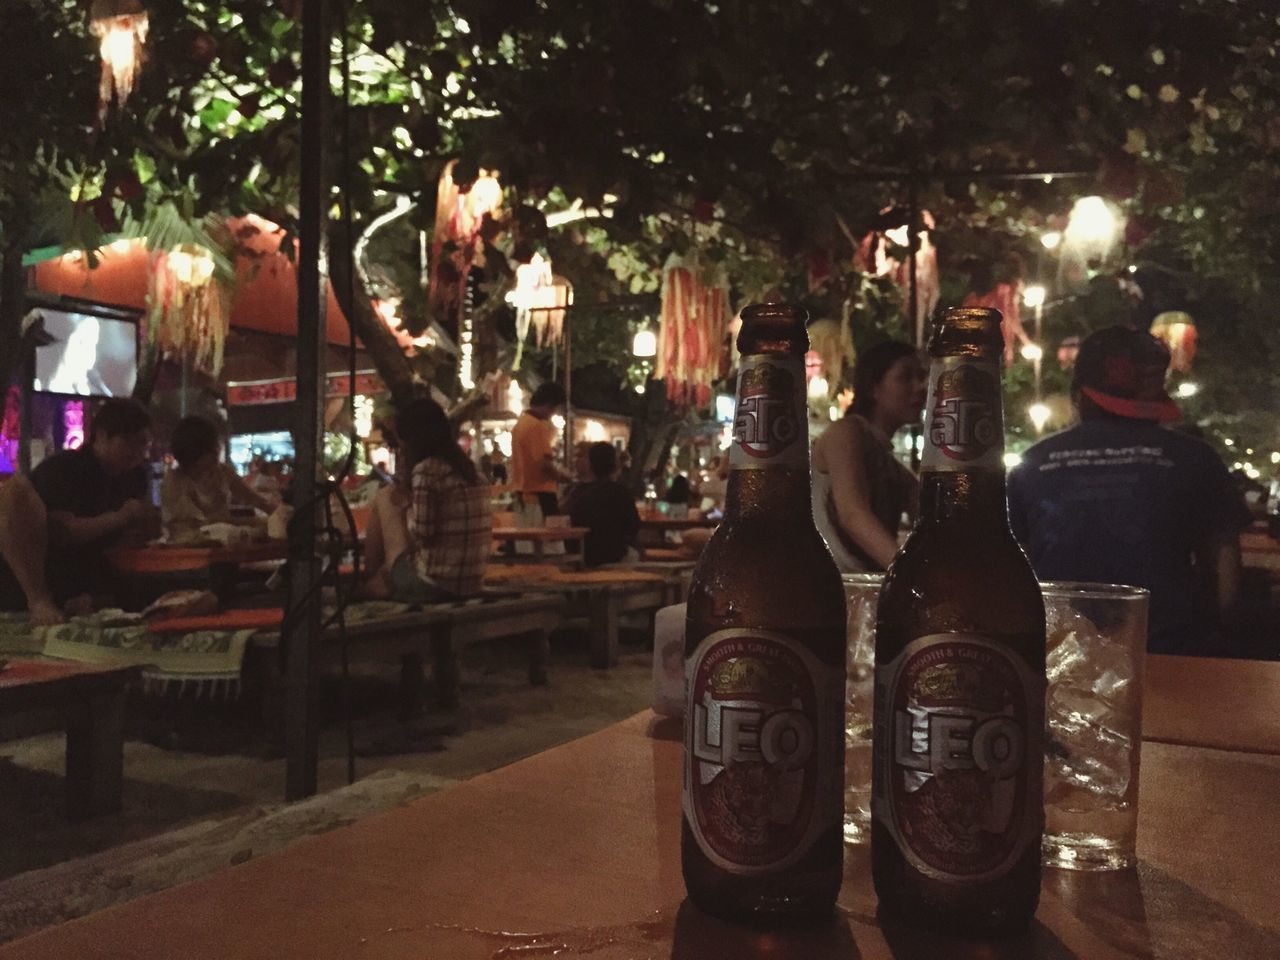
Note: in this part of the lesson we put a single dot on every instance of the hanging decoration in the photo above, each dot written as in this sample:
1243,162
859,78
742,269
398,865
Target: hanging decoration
1177,331
691,330
540,298
456,244
832,348
121,28
884,253
999,287
188,307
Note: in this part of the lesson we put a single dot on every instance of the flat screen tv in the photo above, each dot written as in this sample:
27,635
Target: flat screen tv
85,354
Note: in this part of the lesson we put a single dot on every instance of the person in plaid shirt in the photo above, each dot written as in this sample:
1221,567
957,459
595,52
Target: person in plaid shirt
429,542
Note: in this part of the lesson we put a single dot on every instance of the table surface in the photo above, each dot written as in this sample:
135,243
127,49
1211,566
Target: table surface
576,851
28,684
678,523
539,533
162,557
1202,702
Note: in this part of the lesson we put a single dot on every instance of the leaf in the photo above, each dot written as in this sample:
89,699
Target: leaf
214,116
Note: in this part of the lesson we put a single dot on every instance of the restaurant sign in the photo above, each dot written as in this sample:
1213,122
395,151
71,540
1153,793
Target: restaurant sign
285,390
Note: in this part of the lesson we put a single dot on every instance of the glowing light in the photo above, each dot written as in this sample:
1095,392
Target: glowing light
485,194
593,430
1051,240
1039,414
121,28
1249,451
1091,222
644,344
1188,388
726,437
1034,295
1032,352
640,388
363,415
191,266
818,388
1011,460
557,421
1275,457
1229,442
503,441
515,397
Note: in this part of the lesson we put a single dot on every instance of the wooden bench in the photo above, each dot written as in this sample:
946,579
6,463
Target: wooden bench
88,702
603,603
441,631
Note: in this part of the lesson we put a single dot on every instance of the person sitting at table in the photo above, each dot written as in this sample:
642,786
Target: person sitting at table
678,495
199,490
56,527
430,534
1119,498
606,508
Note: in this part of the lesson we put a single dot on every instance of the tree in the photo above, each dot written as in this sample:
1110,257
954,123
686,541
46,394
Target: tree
785,127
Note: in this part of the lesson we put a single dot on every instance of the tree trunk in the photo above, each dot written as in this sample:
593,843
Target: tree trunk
12,294
387,355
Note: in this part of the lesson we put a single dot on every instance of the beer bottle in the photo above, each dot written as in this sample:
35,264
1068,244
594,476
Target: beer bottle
958,749
765,662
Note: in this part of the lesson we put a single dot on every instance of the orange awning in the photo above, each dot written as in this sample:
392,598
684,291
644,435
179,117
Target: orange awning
266,288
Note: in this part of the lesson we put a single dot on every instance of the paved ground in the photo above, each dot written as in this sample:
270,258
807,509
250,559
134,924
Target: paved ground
206,790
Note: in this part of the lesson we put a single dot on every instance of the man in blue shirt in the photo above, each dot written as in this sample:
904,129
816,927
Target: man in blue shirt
1121,499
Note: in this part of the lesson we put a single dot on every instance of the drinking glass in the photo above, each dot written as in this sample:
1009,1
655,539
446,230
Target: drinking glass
1097,636
862,592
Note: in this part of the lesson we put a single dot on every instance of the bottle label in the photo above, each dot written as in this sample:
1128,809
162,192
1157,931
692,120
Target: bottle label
959,729
770,424
764,749
964,429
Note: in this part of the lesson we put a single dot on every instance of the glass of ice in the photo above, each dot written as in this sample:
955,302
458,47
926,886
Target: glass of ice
1097,638
862,591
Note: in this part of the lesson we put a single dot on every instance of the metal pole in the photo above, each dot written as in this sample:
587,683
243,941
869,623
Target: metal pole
302,643
913,248
568,387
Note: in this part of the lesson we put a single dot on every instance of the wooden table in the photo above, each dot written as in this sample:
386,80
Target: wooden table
576,852
540,537
653,530
88,701
221,563
603,596
1203,702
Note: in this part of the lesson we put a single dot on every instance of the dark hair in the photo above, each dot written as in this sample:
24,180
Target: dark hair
425,431
119,417
679,491
548,394
603,459
192,438
872,367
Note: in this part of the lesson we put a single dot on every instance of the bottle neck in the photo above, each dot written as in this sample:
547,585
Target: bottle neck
962,465
769,457
964,498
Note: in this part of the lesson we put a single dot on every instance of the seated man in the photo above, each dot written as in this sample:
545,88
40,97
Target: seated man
605,507
1120,499
55,528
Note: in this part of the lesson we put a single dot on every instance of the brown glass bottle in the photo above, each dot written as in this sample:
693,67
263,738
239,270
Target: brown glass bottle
764,648
957,809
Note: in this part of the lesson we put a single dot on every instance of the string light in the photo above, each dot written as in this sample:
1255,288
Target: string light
1051,240
1188,388
1032,351
1039,414
1034,295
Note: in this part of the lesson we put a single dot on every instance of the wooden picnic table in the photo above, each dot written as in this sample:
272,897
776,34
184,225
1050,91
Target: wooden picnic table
540,537
219,564
604,595
88,702
576,852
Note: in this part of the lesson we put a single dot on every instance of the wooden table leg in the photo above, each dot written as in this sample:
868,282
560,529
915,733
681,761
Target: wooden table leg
445,666
604,613
95,755
539,653
412,681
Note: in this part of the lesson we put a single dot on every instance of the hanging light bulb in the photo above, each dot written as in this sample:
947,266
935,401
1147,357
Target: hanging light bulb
1034,295
121,28
645,344
1032,352
1039,414
1051,240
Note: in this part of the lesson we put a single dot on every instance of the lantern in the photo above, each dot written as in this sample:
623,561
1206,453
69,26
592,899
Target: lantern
691,330
540,298
188,307
121,29
1178,332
